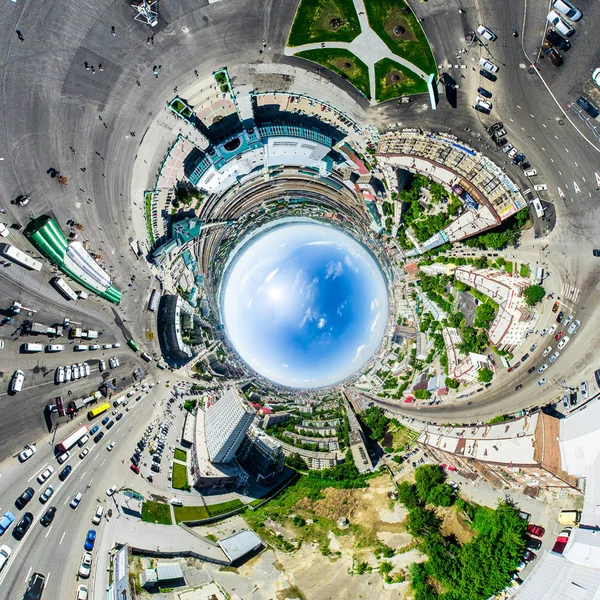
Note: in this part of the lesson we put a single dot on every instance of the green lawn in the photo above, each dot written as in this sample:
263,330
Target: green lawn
344,63
156,512
180,454
384,16
525,271
180,481
386,88
198,513
314,22
508,266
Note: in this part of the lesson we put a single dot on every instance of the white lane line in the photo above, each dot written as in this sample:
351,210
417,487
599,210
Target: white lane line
522,128
576,187
544,149
531,116
91,480
82,476
62,538
518,106
582,177
551,160
533,138
567,150
37,472
544,126
49,530
28,574
556,136
102,462
561,176
96,457
66,500
511,120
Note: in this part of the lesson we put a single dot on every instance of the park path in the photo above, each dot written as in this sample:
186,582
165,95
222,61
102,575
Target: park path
367,46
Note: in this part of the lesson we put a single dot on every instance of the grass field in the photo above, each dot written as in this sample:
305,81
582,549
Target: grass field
180,454
525,271
198,513
384,16
313,22
401,436
156,512
408,82
180,481
344,63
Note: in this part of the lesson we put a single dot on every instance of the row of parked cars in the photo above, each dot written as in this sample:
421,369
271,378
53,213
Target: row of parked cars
71,373
84,347
497,133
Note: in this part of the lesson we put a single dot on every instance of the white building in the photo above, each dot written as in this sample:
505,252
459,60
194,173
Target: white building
226,422
462,367
514,318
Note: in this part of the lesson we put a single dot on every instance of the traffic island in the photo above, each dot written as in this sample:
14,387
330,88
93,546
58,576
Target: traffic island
344,63
324,21
393,80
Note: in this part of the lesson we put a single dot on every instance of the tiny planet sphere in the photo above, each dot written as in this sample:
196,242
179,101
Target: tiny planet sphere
304,304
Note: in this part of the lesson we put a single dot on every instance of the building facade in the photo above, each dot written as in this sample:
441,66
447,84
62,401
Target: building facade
461,366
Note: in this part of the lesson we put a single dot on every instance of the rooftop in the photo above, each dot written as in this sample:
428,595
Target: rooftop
240,544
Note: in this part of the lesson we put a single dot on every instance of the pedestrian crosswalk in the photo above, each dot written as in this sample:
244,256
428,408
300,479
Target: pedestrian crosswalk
570,293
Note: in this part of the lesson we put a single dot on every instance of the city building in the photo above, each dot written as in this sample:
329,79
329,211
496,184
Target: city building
226,422
276,418
509,328
522,454
260,455
358,442
461,366
170,325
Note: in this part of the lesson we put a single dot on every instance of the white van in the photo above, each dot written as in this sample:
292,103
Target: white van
97,515
33,347
80,347
54,348
16,384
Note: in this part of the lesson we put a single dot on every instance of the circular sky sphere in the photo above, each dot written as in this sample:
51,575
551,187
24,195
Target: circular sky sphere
304,304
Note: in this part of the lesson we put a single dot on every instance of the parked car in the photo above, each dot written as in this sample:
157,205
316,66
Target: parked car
547,351
573,327
90,539
556,40
27,453
560,24
554,56
536,530
567,9
486,94
98,515
488,34
86,565
560,317
588,107
488,66
554,357
533,543
542,381
583,390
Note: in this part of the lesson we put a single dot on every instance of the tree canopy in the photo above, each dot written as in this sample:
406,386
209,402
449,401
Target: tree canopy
534,294
485,375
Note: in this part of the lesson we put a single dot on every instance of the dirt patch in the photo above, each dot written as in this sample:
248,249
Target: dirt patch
454,524
394,78
398,28
343,64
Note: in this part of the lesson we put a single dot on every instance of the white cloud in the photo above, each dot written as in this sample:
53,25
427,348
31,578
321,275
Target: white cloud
334,270
341,307
375,321
284,365
321,323
271,275
308,316
348,262
249,303
375,304
358,351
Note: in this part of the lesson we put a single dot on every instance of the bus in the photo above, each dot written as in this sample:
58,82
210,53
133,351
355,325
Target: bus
15,255
153,302
133,345
61,285
92,414
70,441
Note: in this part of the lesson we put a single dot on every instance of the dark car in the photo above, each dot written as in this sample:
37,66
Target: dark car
24,498
485,93
596,252
525,165
518,387
155,468
22,526
48,516
119,416
109,424
496,126
530,371
588,107
560,317
488,75
482,109
135,461
105,420
35,587
501,142
99,437
529,556
533,543
519,158
525,357
65,472
554,56
556,40
94,429
90,540
597,376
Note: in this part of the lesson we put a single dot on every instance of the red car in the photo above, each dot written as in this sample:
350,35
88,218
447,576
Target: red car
558,336
536,530
135,469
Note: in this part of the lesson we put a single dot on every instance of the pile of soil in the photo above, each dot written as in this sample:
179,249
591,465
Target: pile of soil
336,504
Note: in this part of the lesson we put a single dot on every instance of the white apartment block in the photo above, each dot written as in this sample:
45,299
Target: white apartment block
462,367
514,318
226,422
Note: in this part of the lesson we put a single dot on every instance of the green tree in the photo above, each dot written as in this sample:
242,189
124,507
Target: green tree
441,495
485,375
484,315
422,394
426,478
385,568
451,383
422,521
407,495
534,294
295,461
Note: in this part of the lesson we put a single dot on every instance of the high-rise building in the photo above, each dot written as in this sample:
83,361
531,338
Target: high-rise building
261,455
226,423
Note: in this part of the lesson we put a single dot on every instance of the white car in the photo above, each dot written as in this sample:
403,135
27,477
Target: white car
552,329
541,187
583,390
573,327
543,368
488,34
111,490
554,357
94,347
59,376
86,565
544,332
45,475
110,446
27,453
568,320
567,9
107,346
68,374
563,342
4,230
596,77
117,345
560,24
547,350
98,515
5,553
75,371
75,500
507,148
82,593
530,173
479,102
488,66
176,501
542,381
512,153
84,453
46,494
102,365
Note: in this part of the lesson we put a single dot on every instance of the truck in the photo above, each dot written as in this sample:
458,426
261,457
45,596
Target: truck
569,517
89,334
561,541
33,327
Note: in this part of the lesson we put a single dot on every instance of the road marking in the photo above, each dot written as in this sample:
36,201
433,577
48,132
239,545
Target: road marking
511,120
576,187
518,106
560,173
28,574
37,472
551,160
582,177
522,128
570,293
91,480
66,500
556,136
560,193
544,126
62,538
567,150
531,116
82,476
49,530
544,149
597,178
102,462
576,165
96,457
533,138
